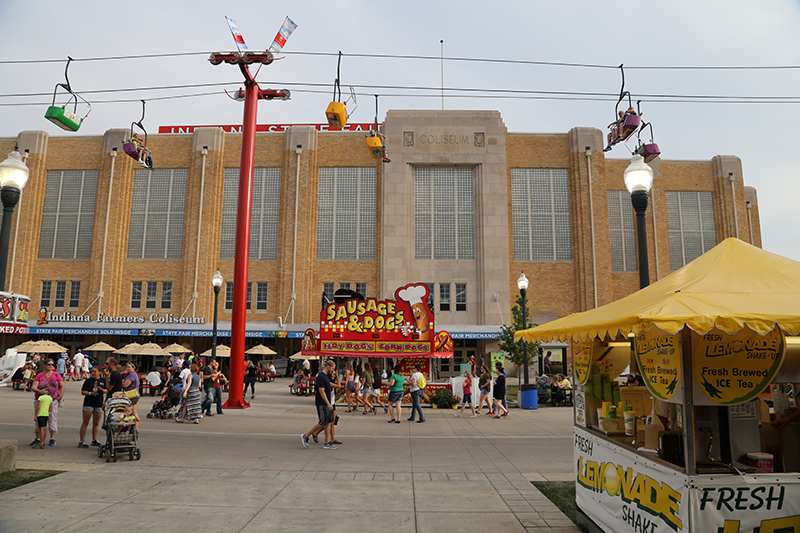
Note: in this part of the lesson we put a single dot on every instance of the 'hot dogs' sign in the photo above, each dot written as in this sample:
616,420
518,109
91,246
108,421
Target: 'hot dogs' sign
372,327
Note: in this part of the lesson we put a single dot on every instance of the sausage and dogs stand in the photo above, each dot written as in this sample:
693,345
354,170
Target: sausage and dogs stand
401,329
711,341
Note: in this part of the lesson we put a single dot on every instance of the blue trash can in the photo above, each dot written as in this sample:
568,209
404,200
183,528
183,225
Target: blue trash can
529,397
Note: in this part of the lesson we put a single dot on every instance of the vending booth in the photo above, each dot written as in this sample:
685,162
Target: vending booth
695,446
401,330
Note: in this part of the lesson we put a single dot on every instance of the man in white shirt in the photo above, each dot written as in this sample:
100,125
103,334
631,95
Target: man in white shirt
78,360
272,368
416,394
153,379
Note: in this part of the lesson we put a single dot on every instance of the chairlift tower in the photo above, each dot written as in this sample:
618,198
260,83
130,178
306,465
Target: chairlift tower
252,94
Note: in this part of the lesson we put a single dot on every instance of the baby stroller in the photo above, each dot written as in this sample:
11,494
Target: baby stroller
120,436
169,404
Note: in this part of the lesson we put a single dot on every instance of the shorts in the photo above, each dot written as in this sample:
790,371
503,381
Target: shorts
41,421
90,408
485,391
395,396
325,415
467,398
134,400
351,386
366,391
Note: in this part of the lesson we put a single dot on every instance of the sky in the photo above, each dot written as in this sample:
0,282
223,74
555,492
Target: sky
636,33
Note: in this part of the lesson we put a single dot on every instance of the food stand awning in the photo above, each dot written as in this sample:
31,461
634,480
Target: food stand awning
731,285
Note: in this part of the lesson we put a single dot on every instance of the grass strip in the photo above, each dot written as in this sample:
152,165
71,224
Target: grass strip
16,478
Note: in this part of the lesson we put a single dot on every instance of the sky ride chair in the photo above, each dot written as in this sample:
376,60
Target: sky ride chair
626,122
61,116
136,147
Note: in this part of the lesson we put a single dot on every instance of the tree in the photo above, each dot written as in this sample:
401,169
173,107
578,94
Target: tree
512,348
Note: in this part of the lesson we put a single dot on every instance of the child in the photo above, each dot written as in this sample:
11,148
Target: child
127,418
467,395
27,377
72,371
43,409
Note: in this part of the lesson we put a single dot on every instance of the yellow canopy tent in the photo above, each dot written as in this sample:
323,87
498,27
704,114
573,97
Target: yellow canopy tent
732,285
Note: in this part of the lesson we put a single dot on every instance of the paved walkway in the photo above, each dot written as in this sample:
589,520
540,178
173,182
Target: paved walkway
247,471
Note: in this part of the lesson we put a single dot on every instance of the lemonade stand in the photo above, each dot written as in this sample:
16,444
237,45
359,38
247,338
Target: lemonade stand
708,340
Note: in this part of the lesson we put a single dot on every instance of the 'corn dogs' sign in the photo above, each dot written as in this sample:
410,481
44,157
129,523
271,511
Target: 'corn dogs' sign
380,328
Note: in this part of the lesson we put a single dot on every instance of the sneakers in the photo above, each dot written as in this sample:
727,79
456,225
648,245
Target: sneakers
82,444
505,414
304,440
474,416
420,421
39,447
392,421
34,443
410,419
52,442
335,442
457,415
95,443
329,446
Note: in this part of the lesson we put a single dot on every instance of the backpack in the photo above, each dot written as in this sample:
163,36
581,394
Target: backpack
422,381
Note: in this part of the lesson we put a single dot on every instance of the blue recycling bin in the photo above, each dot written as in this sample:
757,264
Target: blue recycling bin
528,397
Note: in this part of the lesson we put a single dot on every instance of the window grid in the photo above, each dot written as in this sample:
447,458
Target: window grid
157,211
264,212
47,287
461,296
444,296
74,294
622,231
166,295
361,288
68,214
229,295
344,285
152,293
261,296
444,213
136,295
691,225
61,293
540,214
328,289
346,213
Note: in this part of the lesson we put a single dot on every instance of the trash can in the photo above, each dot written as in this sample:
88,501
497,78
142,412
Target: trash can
528,397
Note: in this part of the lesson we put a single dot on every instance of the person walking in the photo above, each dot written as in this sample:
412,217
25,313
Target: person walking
92,391
366,391
250,379
77,360
500,392
208,388
376,389
467,395
219,381
186,379
395,383
416,390
349,387
54,384
484,384
325,411
192,397
130,387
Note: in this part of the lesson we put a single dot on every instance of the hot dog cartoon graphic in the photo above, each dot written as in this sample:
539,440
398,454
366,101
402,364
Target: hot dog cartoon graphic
416,295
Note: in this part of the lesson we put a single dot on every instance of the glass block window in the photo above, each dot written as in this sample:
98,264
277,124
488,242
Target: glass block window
264,212
261,296
540,214
74,294
346,213
361,288
691,225
157,211
444,213
136,295
152,293
622,231
47,288
345,285
68,214
166,295
444,296
61,293
461,296
229,295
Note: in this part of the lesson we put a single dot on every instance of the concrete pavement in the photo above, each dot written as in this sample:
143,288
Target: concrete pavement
247,471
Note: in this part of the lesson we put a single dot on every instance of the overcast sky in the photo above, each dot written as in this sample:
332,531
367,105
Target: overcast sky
636,33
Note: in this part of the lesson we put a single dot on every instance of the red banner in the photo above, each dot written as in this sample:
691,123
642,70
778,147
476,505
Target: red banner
276,128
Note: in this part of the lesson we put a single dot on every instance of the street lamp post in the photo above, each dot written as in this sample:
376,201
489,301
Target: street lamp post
638,180
13,177
216,281
528,394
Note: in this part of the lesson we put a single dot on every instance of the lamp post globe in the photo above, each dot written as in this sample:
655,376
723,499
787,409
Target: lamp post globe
13,177
639,180
216,282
